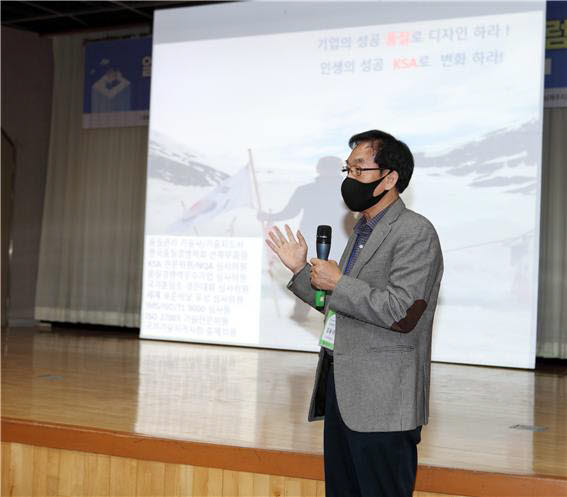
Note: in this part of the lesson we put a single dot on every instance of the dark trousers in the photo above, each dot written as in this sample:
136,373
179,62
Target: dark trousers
370,464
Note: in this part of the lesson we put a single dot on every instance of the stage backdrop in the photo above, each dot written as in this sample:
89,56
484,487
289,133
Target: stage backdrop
252,105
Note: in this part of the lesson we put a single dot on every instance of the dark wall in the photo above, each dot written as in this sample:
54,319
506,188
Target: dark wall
27,79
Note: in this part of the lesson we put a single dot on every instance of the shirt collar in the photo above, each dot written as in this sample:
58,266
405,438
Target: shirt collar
363,226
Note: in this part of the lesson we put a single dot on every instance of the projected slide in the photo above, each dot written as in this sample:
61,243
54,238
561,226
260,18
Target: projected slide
252,106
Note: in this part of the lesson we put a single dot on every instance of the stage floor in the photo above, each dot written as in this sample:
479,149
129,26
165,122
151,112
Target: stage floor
258,398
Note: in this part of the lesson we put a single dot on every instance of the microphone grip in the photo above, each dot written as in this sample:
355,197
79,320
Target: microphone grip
323,250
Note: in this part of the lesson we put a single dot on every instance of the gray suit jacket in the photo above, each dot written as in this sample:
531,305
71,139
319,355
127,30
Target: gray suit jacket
385,309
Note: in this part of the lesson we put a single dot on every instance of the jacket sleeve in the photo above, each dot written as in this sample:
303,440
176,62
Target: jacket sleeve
300,285
416,265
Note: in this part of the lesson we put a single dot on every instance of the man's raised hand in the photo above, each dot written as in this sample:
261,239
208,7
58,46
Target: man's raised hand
292,252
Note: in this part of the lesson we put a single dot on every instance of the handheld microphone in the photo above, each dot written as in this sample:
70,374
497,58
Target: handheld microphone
323,241
323,244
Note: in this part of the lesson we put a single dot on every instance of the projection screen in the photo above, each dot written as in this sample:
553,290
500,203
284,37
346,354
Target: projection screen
252,106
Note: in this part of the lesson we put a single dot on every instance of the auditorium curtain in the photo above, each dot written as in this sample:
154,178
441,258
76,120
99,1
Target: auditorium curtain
90,262
552,315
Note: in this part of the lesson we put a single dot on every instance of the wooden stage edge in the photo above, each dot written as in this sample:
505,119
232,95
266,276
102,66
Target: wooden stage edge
256,460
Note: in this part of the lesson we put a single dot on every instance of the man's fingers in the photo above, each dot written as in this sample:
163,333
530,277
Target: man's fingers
302,241
275,239
314,270
290,236
280,235
272,246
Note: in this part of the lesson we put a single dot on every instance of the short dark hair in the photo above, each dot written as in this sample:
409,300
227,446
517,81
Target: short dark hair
391,153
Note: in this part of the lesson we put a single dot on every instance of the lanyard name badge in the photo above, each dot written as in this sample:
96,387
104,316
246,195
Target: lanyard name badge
327,339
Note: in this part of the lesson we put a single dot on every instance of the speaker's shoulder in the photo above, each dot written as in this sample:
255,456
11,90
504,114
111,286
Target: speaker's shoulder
413,221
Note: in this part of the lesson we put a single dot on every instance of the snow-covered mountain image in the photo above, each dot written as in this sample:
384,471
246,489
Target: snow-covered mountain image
176,163
505,158
187,196
177,175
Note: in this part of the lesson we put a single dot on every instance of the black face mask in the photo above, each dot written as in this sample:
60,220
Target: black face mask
358,196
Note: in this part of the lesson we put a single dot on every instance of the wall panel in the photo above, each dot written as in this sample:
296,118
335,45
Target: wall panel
38,471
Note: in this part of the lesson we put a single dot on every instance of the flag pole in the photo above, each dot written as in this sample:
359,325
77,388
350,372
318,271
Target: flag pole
251,162
264,225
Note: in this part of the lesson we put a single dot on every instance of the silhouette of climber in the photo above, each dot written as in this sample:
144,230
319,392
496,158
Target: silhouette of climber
311,200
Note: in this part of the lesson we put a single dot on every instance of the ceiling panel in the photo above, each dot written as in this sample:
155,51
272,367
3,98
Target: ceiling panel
15,10
72,7
60,17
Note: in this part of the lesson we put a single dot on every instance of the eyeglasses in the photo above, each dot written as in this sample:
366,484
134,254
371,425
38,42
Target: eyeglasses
357,171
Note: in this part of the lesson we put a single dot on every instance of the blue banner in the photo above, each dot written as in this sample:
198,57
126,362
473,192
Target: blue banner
117,83
556,55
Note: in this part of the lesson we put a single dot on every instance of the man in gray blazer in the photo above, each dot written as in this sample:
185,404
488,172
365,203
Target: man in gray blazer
373,376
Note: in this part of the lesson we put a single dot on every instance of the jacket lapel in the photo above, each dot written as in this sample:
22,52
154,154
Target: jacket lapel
347,251
379,234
